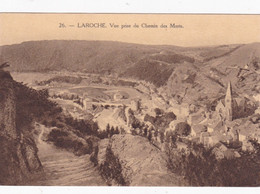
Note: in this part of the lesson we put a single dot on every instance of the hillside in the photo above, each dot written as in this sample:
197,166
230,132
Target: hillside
142,163
18,151
23,111
88,56
207,80
187,74
98,56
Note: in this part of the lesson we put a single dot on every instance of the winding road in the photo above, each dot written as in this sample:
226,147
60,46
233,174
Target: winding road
63,168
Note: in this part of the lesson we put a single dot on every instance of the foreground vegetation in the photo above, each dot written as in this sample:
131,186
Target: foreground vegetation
111,169
201,168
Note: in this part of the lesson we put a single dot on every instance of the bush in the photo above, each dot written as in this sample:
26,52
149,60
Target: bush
33,105
183,129
94,156
158,111
170,116
60,125
72,143
149,118
149,135
53,123
111,169
55,133
200,167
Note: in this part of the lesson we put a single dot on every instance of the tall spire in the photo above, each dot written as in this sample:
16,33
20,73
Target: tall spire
229,89
228,103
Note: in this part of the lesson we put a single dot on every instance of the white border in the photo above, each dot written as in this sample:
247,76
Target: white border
133,6
130,6
128,190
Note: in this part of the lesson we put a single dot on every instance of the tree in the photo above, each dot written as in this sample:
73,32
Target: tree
133,131
141,131
173,139
117,130
108,129
122,130
170,116
183,129
168,137
201,168
149,135
112,131
161,137
95,127
145,131
156,133
149,118
158,111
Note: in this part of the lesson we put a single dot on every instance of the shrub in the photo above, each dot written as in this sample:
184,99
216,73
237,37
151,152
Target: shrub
111,169
122,130
55,133
53,123
149,135
200,167
183,129
94,156
117,130
149,118
60,125
170,116
158,111
70,142
161,137
112,131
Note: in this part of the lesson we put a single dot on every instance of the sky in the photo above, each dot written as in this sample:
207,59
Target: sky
198,30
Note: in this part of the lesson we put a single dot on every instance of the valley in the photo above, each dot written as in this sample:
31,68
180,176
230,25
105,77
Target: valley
89,107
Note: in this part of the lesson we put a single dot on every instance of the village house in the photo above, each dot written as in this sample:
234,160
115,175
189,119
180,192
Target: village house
87,103
196,130
181,111
196,118
219,150
220,125
136,104
206,139
247,146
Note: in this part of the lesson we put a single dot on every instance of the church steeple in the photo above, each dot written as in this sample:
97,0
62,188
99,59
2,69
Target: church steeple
228,103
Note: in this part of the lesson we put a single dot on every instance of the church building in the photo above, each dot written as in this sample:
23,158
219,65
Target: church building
231,107
226,106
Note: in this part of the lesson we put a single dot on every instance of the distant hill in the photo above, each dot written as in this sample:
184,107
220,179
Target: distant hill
100,56
187,73
74,55
208,79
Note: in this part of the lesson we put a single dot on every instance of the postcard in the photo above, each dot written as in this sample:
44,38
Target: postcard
129,99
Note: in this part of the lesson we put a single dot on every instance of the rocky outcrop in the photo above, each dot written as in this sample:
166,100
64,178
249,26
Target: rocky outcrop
18,152
141,163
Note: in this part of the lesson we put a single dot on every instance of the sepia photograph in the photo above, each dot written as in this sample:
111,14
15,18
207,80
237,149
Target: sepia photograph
169,100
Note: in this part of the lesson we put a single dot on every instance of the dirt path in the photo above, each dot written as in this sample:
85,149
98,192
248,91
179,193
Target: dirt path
62,168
